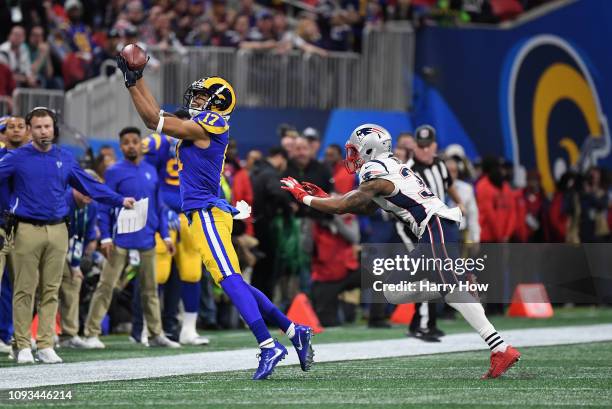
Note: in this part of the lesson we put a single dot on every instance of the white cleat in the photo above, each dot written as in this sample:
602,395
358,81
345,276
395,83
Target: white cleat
74,342
25,356
94,343
48,356
163,341
193,339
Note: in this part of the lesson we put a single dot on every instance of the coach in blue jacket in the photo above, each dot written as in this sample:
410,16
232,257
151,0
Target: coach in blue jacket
40,173
134,177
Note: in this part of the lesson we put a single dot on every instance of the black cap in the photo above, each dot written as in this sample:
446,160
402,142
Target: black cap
131,31
311,133
425,135
113,33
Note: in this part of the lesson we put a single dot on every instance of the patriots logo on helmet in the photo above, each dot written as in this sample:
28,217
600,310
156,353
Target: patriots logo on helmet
366,131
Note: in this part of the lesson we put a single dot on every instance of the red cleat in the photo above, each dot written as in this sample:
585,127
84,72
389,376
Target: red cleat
501,362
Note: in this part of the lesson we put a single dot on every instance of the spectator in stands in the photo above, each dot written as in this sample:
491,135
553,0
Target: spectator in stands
271,208
470,224
7,81
134,13
314,140
343,180
42,66
261,37
531,228
202,35
399,10
148,27
340,36
588,208
107,53
247,8
335,267
19,57
221,17
308,37
557,216
496,203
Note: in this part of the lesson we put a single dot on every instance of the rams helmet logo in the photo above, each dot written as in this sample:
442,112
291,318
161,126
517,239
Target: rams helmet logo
553,101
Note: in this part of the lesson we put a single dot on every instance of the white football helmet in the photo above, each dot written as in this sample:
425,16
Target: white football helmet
367,142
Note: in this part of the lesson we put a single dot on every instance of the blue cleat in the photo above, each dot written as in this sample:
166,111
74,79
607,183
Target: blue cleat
268,359
302,341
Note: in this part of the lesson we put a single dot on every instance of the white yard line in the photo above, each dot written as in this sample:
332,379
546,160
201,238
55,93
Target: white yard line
204,362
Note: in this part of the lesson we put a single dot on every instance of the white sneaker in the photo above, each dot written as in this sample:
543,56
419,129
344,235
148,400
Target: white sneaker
94,343
144,341
48,356
74,342
192,338
25,356
162,341
4,349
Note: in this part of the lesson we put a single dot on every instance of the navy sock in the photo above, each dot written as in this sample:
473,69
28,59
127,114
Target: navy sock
244,301
269,310
190,293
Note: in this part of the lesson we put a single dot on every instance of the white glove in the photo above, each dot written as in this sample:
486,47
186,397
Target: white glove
244,209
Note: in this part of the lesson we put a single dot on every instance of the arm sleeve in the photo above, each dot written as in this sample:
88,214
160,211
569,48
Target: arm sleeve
105,211
87,185
7,166
90,233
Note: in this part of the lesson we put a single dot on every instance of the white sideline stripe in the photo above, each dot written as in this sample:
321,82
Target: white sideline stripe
220,361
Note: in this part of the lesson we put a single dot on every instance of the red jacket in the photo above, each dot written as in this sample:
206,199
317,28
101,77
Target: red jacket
334,257
557,219
344,182
497,211
242,190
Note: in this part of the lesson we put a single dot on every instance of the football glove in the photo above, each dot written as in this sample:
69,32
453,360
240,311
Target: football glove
295,188
244,210
129,76
314,190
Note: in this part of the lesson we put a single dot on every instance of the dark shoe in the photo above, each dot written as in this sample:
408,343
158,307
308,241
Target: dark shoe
379,324
422,334
436,332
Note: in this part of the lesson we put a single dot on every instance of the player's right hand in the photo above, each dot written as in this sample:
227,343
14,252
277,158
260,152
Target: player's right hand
295,188
314,190
129,76
128,202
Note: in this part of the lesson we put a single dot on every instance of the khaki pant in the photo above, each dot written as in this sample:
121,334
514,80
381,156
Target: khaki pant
69,302
37,260
3,254
108,279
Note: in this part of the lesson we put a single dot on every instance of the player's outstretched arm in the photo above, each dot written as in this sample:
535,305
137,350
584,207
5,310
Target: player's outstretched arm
356,201
149,110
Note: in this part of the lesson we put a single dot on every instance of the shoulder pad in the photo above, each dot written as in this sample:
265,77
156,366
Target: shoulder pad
212,122
373,169
153,142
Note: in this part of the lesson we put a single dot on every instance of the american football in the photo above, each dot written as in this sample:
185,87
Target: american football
135,56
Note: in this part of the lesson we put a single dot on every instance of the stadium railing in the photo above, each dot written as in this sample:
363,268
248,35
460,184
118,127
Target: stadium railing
378,78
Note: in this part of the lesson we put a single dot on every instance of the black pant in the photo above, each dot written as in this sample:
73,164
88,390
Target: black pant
325,297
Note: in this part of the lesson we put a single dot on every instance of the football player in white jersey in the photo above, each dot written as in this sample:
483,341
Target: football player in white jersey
384,182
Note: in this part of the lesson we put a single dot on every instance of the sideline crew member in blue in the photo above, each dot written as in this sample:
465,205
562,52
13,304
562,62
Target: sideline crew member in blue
40,173
131,176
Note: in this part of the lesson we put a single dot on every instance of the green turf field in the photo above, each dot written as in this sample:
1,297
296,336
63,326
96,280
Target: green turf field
119,347
562,376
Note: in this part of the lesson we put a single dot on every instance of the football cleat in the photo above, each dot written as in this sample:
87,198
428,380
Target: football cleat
501,362
302,341
268,359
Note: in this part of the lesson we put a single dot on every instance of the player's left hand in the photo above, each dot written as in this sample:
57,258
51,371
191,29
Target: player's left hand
295,188
314,190
170,246
129,76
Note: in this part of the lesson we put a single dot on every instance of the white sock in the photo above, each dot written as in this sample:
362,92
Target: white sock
474,314
291,331
268,343
189,322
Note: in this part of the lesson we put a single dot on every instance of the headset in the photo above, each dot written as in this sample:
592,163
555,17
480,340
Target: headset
53,116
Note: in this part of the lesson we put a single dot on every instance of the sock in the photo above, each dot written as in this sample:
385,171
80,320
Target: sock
189,322
270,311
290,331
190,293
474,314
238,291
268,343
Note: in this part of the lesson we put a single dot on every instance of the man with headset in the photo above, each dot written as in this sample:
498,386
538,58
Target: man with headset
40,173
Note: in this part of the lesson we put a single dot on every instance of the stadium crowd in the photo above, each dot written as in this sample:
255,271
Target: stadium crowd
57,44
283,248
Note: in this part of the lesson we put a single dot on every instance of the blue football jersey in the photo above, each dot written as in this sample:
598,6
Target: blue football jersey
200,169
160,151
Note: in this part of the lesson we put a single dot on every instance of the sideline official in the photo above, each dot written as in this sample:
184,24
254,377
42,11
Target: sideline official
40,173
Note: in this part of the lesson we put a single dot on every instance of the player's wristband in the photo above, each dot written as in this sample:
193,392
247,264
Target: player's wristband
160,125
307,200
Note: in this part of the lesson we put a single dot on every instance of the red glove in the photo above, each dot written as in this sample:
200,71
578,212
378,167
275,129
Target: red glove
295,188
314,190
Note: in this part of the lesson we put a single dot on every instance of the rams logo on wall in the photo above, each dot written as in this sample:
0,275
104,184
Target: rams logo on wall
553,101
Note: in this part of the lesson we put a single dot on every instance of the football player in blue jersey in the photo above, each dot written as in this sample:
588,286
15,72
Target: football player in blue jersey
200,156
160,151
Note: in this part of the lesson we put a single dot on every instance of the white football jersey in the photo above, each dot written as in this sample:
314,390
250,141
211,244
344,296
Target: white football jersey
411,201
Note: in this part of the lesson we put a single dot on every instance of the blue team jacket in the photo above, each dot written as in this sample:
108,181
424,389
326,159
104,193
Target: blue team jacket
81,227
138,181
39,181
